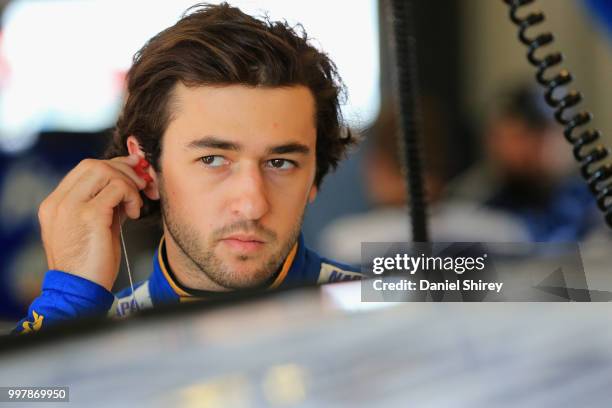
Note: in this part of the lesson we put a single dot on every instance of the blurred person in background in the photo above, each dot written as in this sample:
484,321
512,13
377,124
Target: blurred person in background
239,122
529,172
385,181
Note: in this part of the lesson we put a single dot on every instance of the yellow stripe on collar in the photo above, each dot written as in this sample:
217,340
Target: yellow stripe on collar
187,297
286,266
162,265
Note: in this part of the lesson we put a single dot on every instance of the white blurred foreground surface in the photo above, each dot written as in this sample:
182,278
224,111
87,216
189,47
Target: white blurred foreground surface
299,349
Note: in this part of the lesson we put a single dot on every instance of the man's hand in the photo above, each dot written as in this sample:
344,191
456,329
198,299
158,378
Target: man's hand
80,219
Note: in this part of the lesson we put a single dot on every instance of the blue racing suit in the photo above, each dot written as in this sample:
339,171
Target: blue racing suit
65,296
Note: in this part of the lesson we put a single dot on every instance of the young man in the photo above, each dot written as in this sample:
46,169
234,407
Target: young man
239,119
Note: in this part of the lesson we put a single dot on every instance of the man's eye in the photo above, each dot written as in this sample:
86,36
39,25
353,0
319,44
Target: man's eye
213,161
281,164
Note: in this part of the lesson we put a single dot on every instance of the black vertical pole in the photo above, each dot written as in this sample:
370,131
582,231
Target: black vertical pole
410,114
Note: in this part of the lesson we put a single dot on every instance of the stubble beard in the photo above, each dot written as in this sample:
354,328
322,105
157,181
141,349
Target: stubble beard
201,256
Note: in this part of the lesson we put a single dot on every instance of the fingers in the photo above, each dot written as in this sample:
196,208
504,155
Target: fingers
117,192
88,179
128,170
92,182
84,167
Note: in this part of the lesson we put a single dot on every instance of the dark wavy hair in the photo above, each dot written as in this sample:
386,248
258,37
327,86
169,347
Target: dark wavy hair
221,45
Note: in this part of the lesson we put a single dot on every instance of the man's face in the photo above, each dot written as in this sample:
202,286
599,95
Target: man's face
521,152
237,170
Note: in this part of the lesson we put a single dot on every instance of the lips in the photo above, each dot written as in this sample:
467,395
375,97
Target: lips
245,238
243,242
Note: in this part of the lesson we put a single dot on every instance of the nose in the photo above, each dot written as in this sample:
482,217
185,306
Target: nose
249,193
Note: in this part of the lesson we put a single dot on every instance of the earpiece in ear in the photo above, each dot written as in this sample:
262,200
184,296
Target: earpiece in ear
141,169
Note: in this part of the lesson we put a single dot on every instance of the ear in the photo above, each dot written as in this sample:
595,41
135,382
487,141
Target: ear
151,190
313,193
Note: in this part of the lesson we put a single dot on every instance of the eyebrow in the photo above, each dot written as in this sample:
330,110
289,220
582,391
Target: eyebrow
289,148
214,142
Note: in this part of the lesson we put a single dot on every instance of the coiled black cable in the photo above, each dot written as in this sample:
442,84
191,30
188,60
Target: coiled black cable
405,50
590,156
